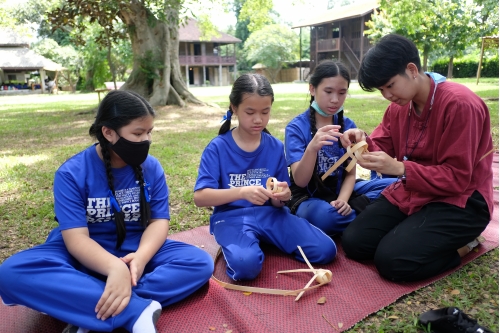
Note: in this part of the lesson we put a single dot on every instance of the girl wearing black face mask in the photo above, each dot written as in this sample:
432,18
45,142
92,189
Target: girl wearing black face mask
110,253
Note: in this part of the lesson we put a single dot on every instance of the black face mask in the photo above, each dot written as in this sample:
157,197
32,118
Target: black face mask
132,153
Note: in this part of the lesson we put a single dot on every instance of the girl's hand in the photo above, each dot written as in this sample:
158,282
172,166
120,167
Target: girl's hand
257,195
342,206
352,135
380,162
285,194
325,136
136,266
116,294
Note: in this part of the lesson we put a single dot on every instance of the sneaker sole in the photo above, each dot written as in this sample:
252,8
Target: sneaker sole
156,316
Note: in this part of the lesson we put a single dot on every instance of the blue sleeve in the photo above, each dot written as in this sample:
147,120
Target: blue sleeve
295,143
348,124
209,170
69,202
159,197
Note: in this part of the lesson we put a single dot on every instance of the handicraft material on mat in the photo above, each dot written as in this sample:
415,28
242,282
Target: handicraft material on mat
322,276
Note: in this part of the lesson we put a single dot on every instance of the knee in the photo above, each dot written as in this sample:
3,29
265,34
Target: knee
390,267
396,265
205,266
245,266
323,254
5,272
352,246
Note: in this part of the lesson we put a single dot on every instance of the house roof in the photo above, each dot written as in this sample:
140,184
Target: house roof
355,10
9,37
190,32
25,59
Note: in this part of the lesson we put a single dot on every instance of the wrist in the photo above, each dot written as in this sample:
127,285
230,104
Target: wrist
403,174
286,201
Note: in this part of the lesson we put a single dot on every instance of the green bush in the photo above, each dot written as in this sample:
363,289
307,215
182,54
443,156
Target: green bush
467,67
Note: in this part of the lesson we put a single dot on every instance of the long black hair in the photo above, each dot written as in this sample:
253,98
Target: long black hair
388,58
326,69
118,109
246,84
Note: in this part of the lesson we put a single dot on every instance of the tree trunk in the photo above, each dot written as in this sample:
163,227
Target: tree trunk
111,64
426,58
450,68
156,73
89,83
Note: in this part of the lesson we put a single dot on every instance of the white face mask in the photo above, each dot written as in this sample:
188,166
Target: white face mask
316,107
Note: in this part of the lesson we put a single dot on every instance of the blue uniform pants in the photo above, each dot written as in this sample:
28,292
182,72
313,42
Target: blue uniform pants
324,216
239,232
48,279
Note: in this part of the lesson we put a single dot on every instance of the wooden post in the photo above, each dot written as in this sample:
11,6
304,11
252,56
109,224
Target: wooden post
186,54
42,80
480,62
300,53
362,38
235,69
220,74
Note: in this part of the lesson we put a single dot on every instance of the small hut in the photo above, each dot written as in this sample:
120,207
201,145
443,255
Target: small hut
17,62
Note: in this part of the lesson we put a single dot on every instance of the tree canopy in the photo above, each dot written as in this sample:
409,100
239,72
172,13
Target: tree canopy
445,26
272,46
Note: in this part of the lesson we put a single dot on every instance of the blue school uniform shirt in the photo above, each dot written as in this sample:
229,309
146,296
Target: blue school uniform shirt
81,197
224,165
298,135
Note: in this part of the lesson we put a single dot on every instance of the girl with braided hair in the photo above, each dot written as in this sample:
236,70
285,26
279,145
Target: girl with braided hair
312,147
108,264
234,169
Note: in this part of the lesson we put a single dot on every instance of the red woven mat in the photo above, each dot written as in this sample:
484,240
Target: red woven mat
355,292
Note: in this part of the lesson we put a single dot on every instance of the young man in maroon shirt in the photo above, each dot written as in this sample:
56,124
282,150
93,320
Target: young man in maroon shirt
435,135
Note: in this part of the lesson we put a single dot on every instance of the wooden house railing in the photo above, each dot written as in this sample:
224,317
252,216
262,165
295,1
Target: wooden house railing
327,45
207,60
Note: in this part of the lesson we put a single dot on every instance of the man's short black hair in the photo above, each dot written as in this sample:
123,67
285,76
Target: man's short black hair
388,58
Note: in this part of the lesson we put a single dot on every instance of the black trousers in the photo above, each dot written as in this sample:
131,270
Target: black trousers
418,246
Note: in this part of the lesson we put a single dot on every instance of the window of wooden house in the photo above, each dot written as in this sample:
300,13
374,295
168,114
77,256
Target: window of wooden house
336,32
197,49
356,29
321,33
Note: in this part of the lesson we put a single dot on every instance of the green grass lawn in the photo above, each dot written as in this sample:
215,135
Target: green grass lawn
39,132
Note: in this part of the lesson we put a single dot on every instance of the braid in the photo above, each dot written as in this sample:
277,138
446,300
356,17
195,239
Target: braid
340,119
144,204
119,216
312,119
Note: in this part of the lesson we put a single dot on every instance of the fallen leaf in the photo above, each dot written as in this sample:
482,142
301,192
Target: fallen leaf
322,300
211,328
247,293
393,317
340,325
409,302
455,292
